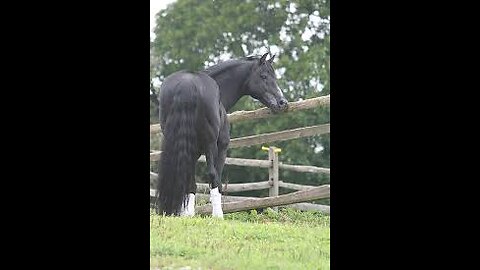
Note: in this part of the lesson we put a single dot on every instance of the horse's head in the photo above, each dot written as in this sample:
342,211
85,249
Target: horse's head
262,85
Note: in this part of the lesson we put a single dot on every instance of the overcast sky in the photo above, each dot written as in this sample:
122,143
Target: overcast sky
156,6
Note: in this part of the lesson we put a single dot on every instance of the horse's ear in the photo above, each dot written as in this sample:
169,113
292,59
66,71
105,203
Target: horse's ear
271,59
262,60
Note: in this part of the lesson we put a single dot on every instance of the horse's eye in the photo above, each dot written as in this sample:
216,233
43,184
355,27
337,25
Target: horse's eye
263,76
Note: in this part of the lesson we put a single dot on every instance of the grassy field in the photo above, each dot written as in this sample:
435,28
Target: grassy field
288,239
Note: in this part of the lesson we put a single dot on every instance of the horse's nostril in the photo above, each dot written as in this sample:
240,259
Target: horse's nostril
282,102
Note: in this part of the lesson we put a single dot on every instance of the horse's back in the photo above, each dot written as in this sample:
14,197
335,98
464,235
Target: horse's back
199,84
198,79
201,87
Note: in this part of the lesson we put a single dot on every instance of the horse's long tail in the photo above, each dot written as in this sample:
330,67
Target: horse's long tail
179,149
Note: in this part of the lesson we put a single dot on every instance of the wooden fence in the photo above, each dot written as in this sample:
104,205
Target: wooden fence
303,194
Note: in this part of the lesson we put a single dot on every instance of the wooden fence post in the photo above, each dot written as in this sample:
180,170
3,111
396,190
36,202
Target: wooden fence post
273,171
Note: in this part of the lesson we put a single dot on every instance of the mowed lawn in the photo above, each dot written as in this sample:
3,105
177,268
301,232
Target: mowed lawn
287,239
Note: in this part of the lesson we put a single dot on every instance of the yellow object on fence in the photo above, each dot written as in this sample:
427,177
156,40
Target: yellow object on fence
275,149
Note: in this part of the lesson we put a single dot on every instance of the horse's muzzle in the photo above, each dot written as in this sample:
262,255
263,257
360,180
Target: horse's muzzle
283,104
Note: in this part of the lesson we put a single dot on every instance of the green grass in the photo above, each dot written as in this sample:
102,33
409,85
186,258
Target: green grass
288,239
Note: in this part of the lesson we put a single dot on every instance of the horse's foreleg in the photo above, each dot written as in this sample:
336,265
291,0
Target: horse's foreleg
215,196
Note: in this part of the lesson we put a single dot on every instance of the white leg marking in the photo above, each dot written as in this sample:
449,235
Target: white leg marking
216,200
189,210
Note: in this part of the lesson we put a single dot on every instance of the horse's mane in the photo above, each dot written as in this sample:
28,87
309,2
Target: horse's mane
225,65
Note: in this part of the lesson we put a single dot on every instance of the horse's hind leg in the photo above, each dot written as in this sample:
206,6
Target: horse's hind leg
215,196
215,193
189,208
222,144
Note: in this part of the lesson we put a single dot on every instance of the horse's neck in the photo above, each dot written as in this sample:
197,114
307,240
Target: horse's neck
231,83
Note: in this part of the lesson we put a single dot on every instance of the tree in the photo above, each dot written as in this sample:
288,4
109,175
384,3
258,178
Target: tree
193,34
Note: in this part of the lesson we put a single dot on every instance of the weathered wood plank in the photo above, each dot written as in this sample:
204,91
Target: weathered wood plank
243,162
300,206
239,187
294,186
155,155
279,136
292,107
273,173
204,187
304,168
273,137
295,197
265,112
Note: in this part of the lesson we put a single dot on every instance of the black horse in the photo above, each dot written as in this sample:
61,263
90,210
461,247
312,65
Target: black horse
193,118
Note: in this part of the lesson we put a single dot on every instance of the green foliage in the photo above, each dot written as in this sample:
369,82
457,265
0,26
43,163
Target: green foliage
193,34
207,243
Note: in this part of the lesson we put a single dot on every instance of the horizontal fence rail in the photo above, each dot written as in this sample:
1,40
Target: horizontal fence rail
279,136
154,156
299,206
292,107
312,194
225,199
294,186
265,112
239,187
205,188
269,137
304,168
